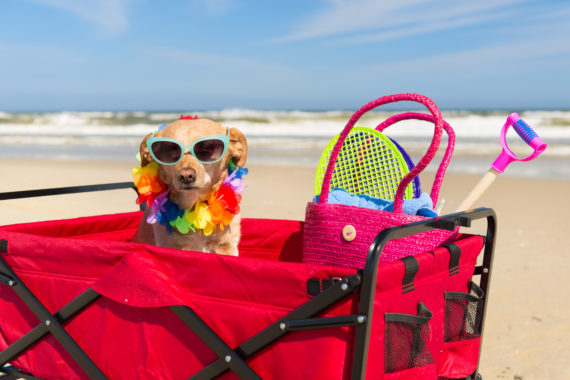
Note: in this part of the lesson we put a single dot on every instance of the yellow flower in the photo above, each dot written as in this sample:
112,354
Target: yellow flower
201,218
210,227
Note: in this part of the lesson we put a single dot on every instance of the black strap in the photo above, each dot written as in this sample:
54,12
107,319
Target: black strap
454,256
316,286
327,283
3,246
313,286
412,267
475,294
423,316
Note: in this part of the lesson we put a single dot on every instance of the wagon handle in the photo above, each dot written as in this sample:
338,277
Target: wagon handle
65,190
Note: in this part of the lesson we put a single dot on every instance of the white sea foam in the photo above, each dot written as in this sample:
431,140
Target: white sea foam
274,135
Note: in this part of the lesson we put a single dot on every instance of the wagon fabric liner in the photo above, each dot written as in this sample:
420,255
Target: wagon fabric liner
78,300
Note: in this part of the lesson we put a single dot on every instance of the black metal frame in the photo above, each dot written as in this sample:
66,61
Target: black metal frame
302,318
446,222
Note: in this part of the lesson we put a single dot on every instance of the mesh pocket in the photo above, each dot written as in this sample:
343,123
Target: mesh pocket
405,340
463,314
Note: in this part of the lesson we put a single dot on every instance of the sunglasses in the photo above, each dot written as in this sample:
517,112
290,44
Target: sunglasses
206,150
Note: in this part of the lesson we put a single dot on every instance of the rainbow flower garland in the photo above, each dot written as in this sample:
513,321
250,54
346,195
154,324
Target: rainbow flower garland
218,210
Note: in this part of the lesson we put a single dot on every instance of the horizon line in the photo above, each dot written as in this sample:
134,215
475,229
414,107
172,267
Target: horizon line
166,110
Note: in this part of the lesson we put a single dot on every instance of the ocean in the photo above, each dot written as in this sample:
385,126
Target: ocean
287,137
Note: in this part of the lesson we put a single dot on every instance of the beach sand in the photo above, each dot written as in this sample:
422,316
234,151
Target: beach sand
527,331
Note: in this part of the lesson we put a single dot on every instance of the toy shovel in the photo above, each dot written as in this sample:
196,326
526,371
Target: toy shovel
505,158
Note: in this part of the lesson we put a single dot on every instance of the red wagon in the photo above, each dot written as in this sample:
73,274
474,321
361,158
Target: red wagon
78,300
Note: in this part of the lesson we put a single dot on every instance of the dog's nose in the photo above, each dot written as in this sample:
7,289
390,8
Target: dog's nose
187,176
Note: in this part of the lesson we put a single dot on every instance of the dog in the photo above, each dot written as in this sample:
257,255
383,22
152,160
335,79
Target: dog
192,179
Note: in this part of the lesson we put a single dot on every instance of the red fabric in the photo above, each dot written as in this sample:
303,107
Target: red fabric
131,333
430,283
459,359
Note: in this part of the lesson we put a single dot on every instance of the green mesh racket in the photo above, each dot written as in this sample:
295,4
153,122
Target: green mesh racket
368,163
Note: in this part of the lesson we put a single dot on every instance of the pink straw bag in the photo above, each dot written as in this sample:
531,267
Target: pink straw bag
341,235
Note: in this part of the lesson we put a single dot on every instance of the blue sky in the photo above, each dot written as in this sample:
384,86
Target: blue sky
213,54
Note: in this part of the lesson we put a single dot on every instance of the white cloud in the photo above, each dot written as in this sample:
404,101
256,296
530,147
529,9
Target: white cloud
108,15
515,55
419,29
349,17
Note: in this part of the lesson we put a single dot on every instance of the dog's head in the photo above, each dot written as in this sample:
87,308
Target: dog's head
192,177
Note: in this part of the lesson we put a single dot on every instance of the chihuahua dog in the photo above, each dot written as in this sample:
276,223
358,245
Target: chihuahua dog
193,156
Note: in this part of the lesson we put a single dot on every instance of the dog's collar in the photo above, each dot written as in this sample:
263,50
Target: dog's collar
218,210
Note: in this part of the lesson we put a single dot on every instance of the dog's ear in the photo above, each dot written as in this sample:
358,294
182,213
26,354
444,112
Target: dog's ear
238,147
146,158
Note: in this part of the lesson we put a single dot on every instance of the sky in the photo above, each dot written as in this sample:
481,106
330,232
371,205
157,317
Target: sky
296,54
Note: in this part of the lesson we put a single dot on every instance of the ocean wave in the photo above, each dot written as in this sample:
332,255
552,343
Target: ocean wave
296,136
122,118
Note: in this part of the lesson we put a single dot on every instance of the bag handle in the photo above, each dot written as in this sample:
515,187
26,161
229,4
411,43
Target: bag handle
421,165
448,151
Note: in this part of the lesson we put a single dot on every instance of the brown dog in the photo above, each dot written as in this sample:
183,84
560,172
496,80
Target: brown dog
190,180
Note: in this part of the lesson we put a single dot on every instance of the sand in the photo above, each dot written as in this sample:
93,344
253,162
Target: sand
527,331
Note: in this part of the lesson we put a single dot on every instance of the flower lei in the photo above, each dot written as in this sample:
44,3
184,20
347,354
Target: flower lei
218,210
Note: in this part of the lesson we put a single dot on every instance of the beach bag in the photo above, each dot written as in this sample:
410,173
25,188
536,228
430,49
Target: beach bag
341,235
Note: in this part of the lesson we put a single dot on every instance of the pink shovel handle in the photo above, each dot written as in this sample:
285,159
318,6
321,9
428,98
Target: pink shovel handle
526,133
426,159
448,151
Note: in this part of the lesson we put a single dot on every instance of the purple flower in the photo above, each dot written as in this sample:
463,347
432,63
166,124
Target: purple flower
235,180
157,207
